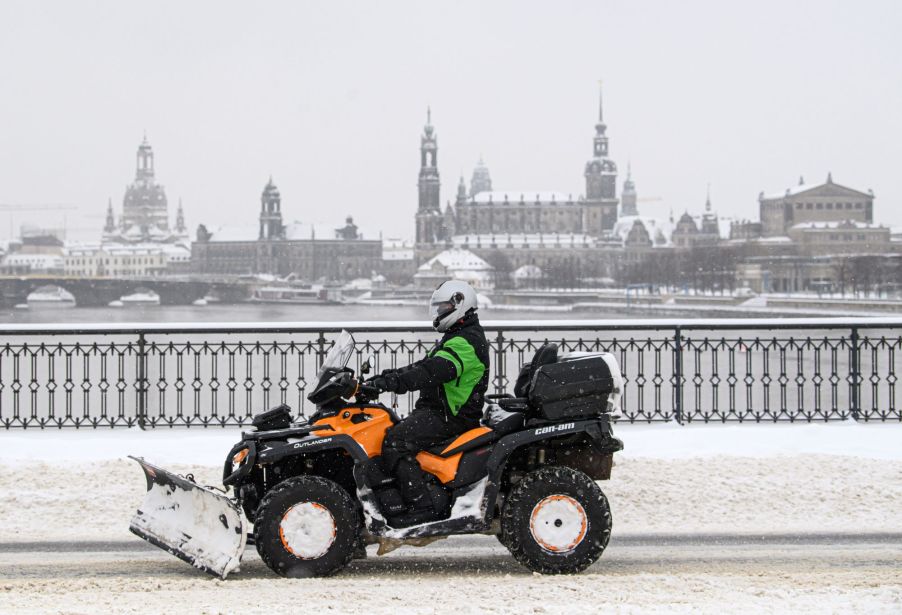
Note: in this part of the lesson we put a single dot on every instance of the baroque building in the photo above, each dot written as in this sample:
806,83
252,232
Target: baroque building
806,237
523,227
303,251
804,203
145,209
481,210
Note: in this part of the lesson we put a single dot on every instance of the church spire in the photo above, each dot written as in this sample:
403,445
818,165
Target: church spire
271,226
461,190
428,218
708,199
629,200
110,227
601,181
180,219
600,105
144,169
600,149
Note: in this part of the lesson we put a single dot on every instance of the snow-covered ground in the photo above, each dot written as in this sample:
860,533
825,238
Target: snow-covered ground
740,480
699,478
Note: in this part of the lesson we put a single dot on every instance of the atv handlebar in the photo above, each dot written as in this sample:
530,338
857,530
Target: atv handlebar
366,389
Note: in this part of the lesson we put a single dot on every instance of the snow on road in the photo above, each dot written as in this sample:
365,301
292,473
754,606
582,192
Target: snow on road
472,575
748,479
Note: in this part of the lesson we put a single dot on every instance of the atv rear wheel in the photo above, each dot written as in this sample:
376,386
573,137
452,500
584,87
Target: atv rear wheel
556,521
306,526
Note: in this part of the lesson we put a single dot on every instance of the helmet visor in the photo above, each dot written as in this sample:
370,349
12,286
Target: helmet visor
440,309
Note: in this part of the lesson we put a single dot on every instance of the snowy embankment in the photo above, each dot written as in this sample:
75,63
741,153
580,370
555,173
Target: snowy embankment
78,485
735,479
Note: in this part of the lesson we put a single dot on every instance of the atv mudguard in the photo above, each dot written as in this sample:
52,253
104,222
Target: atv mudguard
311,444
261,449
598,429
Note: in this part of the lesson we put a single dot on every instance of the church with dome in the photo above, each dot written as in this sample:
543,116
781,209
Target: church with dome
145,209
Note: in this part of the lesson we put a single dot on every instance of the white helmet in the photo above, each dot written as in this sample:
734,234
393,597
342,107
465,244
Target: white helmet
450,302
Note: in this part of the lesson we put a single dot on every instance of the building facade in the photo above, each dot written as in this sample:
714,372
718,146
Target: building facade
117,261
480,210
827,202
813,238
283,250
516,228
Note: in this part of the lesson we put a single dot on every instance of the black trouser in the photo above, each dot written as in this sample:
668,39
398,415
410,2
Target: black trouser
425,427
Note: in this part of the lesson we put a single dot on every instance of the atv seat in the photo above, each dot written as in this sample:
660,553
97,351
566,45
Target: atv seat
501,420
468,440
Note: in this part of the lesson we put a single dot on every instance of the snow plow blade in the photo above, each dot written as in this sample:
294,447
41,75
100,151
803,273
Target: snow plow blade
194,523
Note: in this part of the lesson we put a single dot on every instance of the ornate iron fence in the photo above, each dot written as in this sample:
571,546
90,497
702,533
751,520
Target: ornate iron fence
221,375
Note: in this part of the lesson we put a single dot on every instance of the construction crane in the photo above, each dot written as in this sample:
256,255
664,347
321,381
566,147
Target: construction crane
14,207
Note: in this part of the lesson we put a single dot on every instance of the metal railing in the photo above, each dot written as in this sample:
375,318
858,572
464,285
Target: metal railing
182,375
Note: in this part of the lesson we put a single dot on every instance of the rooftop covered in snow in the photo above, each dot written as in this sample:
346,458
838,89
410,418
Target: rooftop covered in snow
497,197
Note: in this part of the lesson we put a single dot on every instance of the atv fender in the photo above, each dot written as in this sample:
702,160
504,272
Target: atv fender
598,430
603,436
311,444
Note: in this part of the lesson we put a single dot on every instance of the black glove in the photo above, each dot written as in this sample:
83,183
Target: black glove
387,381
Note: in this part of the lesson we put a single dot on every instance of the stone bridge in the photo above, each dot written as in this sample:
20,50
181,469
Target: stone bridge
98,292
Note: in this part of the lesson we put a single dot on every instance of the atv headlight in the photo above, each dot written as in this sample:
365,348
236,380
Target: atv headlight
239,458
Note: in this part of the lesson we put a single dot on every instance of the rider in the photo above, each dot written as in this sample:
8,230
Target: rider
452,380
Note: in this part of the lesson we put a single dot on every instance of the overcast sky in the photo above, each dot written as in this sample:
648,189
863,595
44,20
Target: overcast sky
330,98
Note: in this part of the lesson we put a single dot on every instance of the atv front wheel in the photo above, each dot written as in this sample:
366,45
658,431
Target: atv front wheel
556,521
306,526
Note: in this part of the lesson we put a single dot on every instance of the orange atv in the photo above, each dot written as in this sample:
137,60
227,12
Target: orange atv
527,475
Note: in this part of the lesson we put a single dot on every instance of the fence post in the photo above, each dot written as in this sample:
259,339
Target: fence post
855,373
142,381
499,363
321,352
678,369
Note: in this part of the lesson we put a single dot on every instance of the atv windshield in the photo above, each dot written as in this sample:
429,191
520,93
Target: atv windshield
339,355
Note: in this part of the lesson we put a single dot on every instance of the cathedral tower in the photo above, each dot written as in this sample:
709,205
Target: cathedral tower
109,229
429,213
629,198
180,220
144,208
601,183
271,212
481,181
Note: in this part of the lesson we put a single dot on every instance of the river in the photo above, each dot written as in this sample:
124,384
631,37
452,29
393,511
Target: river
256,312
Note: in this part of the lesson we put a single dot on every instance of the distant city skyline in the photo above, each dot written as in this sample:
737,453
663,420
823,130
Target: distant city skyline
331,103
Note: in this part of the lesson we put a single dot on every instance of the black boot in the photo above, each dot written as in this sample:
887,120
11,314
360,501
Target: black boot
425,498
384,487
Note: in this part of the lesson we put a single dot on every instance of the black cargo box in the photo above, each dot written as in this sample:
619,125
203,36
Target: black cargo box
572,388
275,418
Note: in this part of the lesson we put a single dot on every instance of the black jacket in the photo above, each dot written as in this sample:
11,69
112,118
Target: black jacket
454,375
